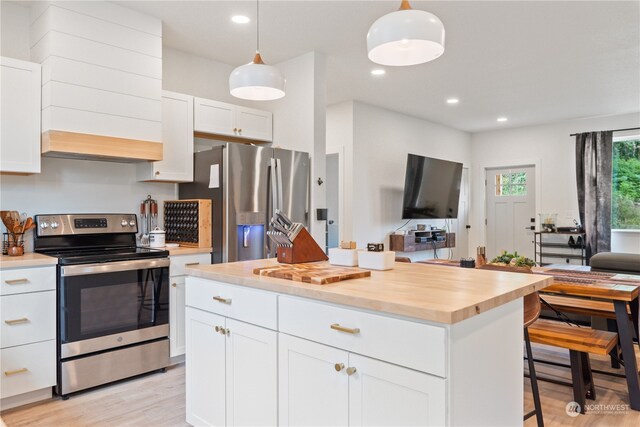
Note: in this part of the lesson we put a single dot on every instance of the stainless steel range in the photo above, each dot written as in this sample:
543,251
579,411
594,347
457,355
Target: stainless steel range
113,299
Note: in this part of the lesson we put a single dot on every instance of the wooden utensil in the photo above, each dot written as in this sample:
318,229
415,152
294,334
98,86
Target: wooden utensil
28,224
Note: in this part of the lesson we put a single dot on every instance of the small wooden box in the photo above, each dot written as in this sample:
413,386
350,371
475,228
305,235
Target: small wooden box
188,222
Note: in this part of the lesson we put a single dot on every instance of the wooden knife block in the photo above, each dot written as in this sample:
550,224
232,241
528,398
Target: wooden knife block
304,249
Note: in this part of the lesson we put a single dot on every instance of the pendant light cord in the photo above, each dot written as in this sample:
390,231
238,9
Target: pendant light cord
257,26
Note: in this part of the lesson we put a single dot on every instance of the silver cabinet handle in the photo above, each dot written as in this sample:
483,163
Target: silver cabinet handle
16,321
222,300
16,281
353,331
222,330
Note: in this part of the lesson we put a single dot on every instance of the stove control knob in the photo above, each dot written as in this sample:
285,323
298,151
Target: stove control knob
132,223
54,224
44,225
124,223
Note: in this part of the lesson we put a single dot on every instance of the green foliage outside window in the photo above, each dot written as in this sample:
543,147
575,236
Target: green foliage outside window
626,185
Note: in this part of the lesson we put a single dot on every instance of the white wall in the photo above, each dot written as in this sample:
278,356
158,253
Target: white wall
551,149
299,123
194,75
14,31
381,141
340,141
74,186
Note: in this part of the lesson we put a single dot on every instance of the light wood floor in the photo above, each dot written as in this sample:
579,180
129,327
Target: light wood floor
158,400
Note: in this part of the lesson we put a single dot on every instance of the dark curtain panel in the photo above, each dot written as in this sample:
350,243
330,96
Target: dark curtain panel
594,151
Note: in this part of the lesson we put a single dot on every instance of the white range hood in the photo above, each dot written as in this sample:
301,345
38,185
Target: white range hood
101,80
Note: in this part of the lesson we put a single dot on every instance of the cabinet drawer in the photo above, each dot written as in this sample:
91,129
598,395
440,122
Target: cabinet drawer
27,318
237,302
411,344
21,280
27,368
179,263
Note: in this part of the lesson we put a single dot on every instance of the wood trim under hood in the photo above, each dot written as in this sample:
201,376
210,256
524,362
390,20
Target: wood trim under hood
98,147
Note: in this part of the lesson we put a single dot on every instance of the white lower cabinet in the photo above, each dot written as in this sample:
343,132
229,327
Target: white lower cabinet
205,369
27,334
252,375
322,385
176,316
177,300
384,394
312,392
231,371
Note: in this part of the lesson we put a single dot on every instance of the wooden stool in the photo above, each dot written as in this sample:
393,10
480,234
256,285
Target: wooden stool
532,310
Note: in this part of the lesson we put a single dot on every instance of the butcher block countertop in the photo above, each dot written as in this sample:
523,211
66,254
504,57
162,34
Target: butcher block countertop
427,292
184,250
29,259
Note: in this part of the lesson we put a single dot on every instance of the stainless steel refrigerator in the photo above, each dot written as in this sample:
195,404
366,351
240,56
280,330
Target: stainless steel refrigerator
246,184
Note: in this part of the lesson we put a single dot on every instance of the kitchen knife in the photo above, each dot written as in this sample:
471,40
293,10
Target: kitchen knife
280,215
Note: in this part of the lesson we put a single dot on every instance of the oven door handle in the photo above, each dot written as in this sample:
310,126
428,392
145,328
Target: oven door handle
111,267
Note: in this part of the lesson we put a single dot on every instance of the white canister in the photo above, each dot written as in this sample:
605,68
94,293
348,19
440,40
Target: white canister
156,238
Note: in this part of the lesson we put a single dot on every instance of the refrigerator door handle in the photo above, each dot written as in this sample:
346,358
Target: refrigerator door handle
279,185
274,187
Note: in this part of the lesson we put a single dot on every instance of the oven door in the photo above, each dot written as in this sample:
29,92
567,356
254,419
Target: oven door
113,304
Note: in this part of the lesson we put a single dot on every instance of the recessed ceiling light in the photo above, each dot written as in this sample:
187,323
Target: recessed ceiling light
240,19
453,101
501,119
378,72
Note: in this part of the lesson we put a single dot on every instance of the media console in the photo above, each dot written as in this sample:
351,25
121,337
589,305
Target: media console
422,241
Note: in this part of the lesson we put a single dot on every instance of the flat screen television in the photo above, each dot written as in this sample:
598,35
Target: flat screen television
431,188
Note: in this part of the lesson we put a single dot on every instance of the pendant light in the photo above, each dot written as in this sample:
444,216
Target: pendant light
256,81
406,37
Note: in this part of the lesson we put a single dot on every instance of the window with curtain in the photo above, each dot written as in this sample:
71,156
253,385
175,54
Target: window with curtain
625,194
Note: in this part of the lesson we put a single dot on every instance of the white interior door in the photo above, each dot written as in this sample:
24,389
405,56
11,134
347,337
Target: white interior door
333,199
510,207
459,226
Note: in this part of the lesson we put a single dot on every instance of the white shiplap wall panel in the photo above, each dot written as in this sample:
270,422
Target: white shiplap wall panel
67,46
64,70
116,14
100,101
56,18
79,121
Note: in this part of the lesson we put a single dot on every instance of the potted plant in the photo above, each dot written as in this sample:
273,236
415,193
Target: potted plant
512,262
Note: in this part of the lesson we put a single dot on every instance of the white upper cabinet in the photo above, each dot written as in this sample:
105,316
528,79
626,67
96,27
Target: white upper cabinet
177,142
20,116
220,118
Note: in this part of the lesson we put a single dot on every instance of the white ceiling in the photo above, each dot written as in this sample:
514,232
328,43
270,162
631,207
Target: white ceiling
533,62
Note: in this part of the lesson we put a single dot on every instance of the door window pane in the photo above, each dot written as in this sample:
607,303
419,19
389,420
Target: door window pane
511,184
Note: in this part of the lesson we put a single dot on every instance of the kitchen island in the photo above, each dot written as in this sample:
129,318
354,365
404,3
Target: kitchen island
416,345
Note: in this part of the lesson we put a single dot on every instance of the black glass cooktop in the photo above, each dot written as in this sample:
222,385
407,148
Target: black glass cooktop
93,255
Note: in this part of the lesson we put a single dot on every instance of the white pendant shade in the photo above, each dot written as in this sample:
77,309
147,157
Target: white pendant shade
406,37
256,81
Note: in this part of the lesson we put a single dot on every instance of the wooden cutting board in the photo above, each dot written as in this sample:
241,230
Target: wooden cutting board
312,273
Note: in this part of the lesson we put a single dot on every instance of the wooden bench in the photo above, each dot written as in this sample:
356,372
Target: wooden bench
580,342
588,307
582,306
